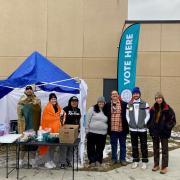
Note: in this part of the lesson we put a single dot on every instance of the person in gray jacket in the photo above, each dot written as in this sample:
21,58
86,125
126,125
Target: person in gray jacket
137,115
96,128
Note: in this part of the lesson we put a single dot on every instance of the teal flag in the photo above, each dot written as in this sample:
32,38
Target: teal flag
127,57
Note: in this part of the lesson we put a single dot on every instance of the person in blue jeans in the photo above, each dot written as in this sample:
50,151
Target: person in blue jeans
118,127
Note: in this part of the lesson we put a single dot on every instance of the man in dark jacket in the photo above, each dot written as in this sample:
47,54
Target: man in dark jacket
117,126
162,120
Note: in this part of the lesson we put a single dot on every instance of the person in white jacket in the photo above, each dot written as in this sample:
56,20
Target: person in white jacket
137,115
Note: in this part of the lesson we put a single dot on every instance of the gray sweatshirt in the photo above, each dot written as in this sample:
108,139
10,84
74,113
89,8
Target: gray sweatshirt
96,122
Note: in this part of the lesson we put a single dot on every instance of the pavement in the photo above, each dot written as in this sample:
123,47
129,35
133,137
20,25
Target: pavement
122,173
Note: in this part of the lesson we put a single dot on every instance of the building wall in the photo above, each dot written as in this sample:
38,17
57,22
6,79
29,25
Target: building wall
159,62
80,36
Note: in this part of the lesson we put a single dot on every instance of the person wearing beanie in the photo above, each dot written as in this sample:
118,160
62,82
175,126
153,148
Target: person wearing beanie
50,120
117,127
162,120
96,129
29,117
137,115
72,116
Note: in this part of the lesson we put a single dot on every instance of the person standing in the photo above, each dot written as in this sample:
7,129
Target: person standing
96,129
29,116
72,116
138,115
162,120
51,121
118,128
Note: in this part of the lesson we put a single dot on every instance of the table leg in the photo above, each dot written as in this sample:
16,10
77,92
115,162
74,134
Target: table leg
28,156
77,156
73,163
7,153
17,166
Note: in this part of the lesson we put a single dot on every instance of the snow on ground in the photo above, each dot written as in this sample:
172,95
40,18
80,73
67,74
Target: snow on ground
174,142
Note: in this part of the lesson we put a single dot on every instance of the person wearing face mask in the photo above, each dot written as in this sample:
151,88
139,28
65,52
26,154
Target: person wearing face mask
72,116
50,120
137,115
96,129
162,120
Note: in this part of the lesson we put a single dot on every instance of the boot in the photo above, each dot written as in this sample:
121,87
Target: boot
163,170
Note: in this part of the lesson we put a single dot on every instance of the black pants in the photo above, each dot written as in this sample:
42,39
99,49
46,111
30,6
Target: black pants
135,136
95,147
164,145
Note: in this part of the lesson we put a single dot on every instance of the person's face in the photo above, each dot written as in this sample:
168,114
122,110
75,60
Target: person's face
29,92
114,95
136,96
101,104
159,100
53,101
74,104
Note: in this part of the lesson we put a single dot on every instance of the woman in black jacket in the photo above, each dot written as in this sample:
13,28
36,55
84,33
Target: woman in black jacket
162,120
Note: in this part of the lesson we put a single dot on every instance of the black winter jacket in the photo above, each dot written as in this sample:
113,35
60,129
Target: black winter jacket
107,112
166,122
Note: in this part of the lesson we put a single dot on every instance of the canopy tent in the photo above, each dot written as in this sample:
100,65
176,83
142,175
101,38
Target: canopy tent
42,73
37,69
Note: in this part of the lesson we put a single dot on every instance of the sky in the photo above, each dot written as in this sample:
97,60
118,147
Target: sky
153,9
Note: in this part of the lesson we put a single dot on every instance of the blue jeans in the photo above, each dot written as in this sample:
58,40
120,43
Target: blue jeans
121,136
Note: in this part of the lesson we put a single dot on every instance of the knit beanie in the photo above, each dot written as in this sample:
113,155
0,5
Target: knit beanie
159,95
52,95
136,90
101,99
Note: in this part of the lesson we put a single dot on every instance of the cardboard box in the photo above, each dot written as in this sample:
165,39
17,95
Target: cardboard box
68,133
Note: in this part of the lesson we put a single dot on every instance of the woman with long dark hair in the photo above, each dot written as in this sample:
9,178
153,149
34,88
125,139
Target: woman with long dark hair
96,132
162,120
50,120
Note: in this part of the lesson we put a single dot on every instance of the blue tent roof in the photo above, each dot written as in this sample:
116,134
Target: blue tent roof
37,69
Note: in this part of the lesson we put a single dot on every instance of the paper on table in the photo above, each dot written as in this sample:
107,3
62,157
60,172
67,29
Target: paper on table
9,138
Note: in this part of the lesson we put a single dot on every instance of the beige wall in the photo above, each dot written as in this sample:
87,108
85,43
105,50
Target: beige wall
82,36
159,62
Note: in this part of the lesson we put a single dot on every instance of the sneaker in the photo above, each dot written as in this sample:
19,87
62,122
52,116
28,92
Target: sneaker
98,164
144,166
114,162
163,170
21,163
53,164
48,165
123,163
155,168
92,165
134,165
33,163
62,166
69,164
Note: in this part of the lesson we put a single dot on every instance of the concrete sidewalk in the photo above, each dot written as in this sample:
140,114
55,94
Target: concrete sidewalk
123,173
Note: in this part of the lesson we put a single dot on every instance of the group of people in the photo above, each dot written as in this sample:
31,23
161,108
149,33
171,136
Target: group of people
117,118
29,118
